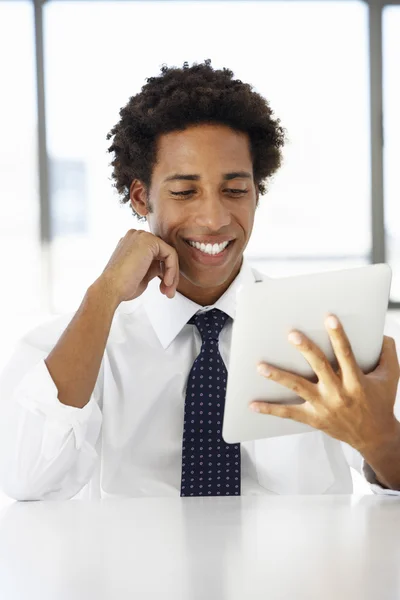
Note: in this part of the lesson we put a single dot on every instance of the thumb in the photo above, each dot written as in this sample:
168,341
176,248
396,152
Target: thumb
388,359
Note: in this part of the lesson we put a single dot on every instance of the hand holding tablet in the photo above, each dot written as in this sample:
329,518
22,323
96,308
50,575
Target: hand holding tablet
268,311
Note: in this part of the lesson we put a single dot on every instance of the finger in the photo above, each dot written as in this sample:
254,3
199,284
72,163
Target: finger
350,370
315,358
168,290
303,388
177,274
175,282
169,257
154,271
295,412
163,287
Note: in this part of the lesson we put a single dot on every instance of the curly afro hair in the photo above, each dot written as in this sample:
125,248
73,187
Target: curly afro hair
183,97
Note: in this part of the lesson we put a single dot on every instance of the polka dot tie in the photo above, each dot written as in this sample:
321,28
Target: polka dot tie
210,467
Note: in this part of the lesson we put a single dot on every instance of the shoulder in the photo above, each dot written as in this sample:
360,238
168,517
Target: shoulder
46,334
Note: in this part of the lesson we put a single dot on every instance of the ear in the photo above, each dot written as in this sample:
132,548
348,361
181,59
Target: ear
138,197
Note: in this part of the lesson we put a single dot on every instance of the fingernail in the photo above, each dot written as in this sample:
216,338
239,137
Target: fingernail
332,322
255,407
295,338
264,370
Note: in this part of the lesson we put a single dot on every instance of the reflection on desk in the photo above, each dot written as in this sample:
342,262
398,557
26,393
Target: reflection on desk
261,547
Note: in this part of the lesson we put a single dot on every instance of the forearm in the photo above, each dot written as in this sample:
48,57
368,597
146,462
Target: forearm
46,454
74,362
384,459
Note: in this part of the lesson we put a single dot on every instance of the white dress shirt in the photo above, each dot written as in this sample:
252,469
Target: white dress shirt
127,441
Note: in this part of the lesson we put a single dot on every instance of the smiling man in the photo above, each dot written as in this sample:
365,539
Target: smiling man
206,210
125,397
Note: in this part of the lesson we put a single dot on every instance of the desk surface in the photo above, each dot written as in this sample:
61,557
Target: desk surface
269,548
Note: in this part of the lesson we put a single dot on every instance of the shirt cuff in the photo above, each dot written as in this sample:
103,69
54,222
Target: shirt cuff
38,393
375,485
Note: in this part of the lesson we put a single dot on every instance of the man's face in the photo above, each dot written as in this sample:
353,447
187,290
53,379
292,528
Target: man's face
215,202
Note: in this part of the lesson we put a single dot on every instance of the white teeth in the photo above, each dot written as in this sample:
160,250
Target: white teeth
209,248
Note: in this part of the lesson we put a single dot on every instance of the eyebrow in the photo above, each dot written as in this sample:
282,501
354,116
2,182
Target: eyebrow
189,177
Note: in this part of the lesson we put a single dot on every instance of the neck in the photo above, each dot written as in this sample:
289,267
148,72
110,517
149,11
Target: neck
205,296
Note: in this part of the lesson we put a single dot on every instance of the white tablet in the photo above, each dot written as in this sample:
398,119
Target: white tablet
267,311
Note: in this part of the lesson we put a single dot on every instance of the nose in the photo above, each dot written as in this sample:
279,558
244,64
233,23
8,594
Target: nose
213,214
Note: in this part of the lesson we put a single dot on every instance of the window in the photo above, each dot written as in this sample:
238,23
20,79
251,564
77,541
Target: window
391,99
317,212
19,206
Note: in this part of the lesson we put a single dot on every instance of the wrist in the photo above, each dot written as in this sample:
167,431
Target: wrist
383,457
102,288
380,445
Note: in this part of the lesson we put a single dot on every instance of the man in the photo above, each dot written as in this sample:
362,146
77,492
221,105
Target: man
114,402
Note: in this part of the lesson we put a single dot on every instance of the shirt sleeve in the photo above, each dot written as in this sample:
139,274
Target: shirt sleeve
354,458
47,449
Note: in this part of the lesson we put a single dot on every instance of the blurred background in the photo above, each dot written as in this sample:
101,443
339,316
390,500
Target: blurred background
329,69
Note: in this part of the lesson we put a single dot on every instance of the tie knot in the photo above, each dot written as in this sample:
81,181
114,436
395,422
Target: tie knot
210,323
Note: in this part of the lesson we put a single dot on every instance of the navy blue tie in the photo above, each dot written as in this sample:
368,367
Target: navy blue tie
210,467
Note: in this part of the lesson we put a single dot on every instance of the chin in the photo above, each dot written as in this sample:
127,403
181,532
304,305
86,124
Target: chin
210,278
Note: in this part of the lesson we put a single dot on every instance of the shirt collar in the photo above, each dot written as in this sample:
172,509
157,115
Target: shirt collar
169,316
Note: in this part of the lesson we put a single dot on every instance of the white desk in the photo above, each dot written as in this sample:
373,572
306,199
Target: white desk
269,548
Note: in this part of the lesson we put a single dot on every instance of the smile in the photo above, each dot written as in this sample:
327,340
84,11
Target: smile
215,255
211,249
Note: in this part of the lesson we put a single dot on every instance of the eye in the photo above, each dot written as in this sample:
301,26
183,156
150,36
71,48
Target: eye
188,192
236,191
185,193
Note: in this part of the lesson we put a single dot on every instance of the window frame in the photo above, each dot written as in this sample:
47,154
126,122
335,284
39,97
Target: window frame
378,250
